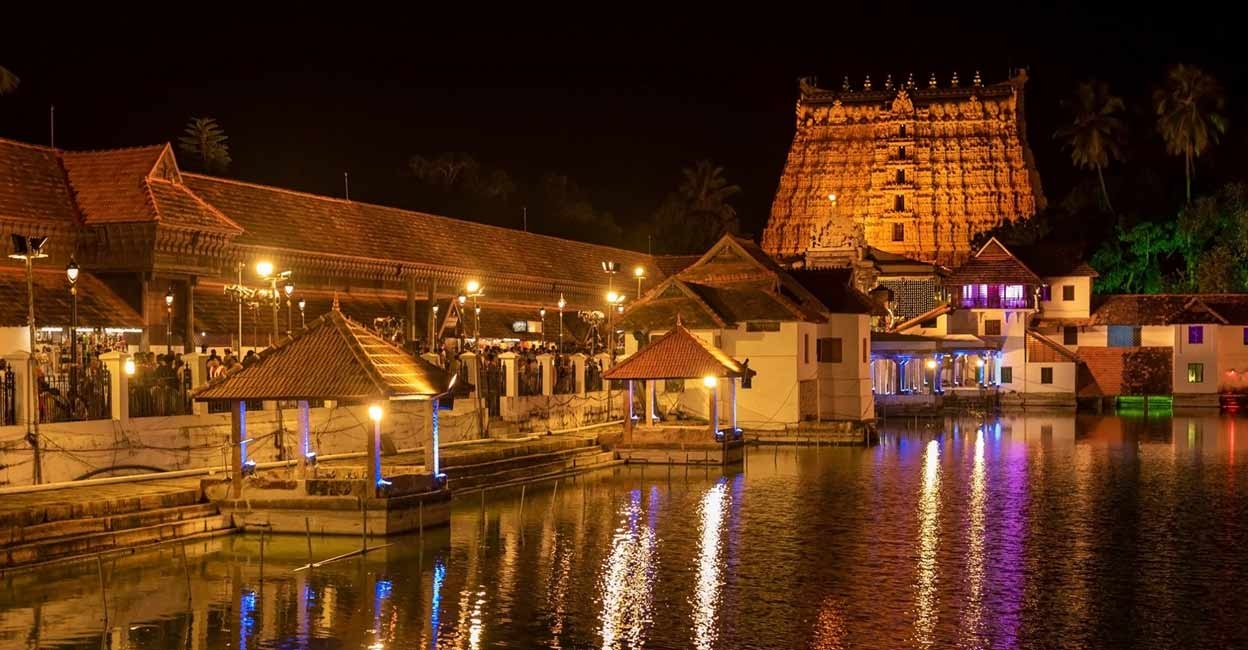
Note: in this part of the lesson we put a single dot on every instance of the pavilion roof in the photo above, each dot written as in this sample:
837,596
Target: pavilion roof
678,354
335,358
993,264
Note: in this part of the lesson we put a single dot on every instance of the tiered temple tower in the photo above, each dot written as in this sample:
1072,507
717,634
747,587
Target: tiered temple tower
917,171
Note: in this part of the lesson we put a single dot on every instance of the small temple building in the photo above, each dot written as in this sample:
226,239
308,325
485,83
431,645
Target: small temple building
916,169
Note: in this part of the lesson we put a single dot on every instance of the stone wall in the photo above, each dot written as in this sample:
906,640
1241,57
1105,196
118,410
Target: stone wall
914,171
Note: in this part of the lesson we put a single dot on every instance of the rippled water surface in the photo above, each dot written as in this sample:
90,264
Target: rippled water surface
1025,532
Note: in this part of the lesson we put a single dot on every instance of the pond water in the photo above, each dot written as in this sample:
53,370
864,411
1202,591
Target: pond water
1036,531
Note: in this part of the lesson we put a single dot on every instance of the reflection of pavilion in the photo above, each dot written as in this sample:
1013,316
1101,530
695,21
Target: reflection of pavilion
336,360
678,355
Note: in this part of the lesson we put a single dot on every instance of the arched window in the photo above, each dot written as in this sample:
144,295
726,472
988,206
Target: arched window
899,203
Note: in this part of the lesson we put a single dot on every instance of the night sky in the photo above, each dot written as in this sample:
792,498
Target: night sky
619,105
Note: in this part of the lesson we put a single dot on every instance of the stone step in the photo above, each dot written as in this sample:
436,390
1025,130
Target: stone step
68,548
518,462
91,525
102,501
477,454
536,471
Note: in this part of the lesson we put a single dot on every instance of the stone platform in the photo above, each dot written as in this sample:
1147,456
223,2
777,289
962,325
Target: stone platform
677,445
335,500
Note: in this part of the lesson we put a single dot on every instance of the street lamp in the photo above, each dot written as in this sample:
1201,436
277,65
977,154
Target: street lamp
268,274
639,272
71,273
542,312
169,321
615,303
474,291
289,289
30,249
302,304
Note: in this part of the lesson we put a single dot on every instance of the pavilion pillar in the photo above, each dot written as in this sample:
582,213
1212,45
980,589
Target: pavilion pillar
468,369
732,398
508,359
374,460
431,334
305,438
433,455
238,446
651,398
711,415
628,412
188,332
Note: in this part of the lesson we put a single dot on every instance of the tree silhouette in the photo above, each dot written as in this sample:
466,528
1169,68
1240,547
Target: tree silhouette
698,213
205,141
1191,116
1096,132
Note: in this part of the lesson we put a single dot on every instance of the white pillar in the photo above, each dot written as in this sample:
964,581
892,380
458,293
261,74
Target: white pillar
119,383
197,365
305,437
432,452
374,459
578,371
732,383
510,385
651,395
468,368
546,364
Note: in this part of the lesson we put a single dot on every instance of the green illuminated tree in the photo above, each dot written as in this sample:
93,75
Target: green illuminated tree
1132,263
205,141
1096,132
1191,115
8,81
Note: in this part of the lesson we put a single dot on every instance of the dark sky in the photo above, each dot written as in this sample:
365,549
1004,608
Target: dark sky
618,104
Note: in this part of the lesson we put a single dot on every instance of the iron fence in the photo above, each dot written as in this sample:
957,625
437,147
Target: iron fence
159,392
80,394
8,397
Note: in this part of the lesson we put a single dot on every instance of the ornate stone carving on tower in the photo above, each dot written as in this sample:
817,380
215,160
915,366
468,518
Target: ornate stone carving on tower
913,171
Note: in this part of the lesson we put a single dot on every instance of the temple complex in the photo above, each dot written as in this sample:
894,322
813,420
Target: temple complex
915,171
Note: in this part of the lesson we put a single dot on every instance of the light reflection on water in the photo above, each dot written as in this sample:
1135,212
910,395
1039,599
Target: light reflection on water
1041,532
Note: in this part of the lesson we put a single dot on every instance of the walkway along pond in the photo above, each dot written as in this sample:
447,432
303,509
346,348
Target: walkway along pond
1029,531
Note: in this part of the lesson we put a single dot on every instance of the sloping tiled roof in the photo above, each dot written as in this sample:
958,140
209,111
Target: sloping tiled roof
110,186
98,306
677,354
275,218
670,265
177,206
1171,309
32,185
935,312
1041,350
993,264
672,299
334,358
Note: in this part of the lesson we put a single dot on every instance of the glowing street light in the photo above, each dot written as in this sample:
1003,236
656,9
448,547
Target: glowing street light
710,381
169,322
639,272
302,304
562,303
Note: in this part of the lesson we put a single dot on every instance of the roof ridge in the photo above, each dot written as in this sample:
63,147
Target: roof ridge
29,145
181,187
92,152
406,211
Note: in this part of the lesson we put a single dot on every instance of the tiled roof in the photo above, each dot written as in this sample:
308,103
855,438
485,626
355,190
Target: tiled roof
993,264
111,186
276,218
1171,309
672,299
334,358
677,354
935,312
98,306
834,288
1041,350
32,185
670,265
176,206
746,301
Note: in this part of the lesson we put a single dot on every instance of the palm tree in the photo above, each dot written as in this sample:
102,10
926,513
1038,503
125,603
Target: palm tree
8,81
1190,114
705,193
1096,132
206,140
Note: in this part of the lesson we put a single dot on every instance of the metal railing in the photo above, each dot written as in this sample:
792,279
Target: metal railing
159,392
80,394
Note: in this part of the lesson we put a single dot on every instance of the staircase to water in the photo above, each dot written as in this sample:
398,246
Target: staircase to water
77,523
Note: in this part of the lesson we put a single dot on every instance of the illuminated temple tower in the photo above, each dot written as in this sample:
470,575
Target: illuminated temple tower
916,171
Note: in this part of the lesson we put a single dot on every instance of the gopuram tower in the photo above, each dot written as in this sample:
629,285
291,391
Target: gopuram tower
916,171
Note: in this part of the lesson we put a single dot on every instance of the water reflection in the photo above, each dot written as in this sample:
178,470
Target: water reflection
706,606
628,579
925,595
1045,531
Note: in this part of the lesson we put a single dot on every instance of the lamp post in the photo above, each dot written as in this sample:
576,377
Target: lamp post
562,303
268,274
474,291
169,321
30,249
639,272
71,273
434,330
542,312
302,304
289,289
615,302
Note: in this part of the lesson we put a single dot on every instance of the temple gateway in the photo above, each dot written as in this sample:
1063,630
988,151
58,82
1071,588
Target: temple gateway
914,171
